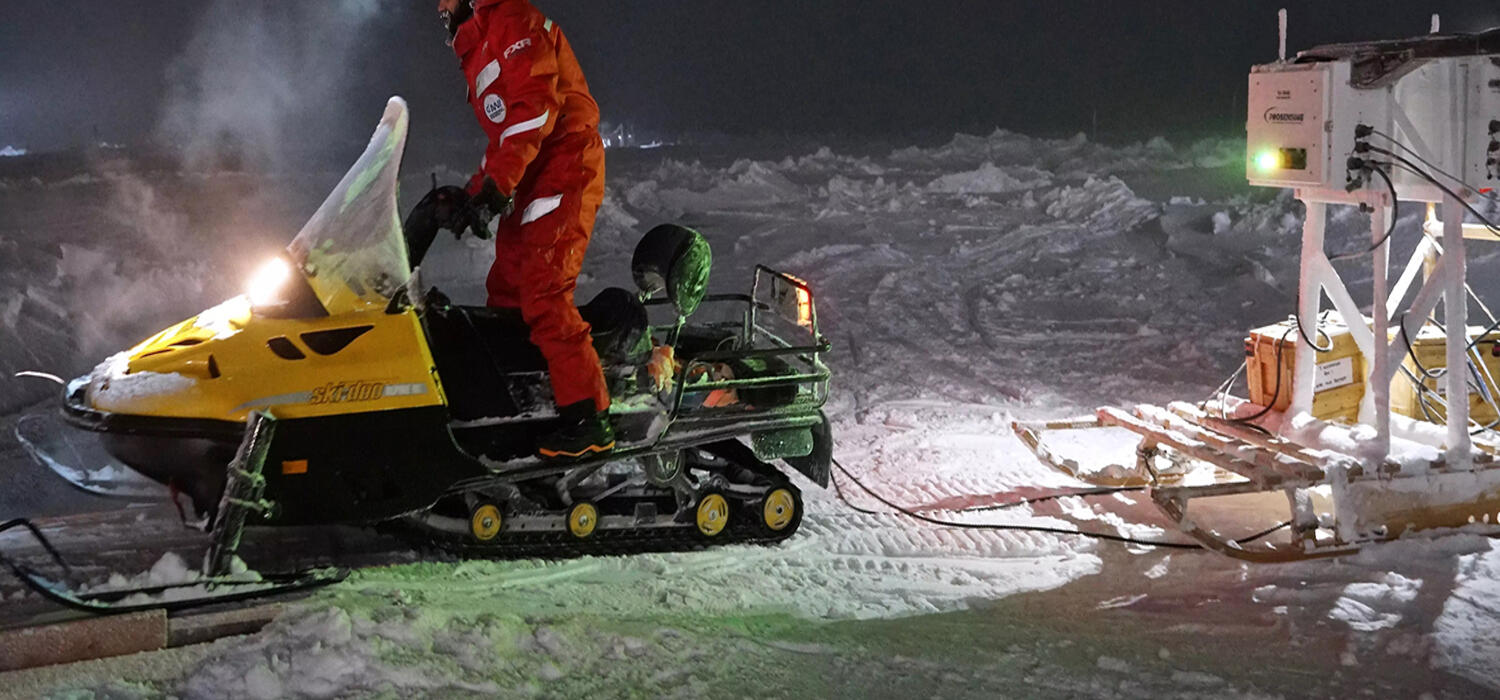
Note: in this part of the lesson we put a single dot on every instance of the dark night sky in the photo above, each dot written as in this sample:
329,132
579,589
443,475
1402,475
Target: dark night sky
857,67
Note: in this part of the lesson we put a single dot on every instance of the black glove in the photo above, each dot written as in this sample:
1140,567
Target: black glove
456,211
448,208
491,202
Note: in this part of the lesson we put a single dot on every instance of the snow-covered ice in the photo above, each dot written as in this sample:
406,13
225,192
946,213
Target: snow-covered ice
986,279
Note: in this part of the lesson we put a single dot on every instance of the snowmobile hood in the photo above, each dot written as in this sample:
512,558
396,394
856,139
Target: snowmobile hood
181,348
228,361
299,360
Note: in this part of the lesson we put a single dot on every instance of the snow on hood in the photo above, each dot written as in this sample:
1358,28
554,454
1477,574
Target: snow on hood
113,377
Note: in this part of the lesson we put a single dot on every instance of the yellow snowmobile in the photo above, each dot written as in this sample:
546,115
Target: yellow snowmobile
338,390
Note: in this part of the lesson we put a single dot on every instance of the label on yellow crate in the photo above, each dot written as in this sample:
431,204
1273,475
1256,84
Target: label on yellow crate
1335,374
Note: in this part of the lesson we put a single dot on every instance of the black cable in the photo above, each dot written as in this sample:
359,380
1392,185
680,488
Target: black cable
1317,331
1264,533
1390,231
1488,330
1421,388
1472,344
1411,351
1222,393
1422,402
1428,163
1412,167
1435,375
1108,491
1011,528
1224,389
1441,372
41,538
1100,492
1276,393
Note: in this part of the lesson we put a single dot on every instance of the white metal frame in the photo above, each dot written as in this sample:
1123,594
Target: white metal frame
1446,269
1440,112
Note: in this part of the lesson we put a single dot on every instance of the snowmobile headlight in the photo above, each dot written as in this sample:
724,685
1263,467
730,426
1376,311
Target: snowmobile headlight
269,282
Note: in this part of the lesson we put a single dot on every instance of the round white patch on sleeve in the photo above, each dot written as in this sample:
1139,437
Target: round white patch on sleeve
494,108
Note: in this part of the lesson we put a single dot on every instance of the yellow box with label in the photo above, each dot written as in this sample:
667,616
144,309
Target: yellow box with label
1429,352
1340,381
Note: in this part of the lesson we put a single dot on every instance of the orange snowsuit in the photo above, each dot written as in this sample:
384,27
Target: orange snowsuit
531,98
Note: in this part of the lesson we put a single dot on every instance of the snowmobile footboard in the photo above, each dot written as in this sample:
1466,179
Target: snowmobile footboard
361,467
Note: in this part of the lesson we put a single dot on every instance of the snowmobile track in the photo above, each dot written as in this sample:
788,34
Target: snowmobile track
555,545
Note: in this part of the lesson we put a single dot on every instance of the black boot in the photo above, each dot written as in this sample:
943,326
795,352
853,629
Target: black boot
582,432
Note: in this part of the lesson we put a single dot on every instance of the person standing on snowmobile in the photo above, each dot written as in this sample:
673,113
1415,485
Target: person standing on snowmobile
543,176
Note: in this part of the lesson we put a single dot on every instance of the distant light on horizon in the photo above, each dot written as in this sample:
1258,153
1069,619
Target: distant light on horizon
12,152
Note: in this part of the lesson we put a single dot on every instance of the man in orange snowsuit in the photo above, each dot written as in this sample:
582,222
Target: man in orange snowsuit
543,175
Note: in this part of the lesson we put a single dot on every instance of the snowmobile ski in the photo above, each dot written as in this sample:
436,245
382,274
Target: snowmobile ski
176,597
200,592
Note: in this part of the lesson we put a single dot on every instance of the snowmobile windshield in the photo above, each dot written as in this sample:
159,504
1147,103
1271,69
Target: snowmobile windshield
352,251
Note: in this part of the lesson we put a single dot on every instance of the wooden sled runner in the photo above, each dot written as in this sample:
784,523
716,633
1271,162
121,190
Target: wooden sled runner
1188,456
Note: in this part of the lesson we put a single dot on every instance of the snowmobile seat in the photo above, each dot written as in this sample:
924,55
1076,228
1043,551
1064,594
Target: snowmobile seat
477,348
617,318
620,325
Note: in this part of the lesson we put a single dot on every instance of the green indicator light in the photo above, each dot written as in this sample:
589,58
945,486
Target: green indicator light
1268,160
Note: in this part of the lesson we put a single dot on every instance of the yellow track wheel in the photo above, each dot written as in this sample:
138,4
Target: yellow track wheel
713,515
780,509
583,519
486,521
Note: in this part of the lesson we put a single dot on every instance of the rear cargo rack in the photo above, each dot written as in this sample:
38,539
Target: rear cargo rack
768,362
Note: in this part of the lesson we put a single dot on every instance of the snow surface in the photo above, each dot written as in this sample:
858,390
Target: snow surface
1464,632
965,285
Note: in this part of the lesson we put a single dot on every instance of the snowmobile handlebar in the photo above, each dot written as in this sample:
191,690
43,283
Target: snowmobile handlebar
444,208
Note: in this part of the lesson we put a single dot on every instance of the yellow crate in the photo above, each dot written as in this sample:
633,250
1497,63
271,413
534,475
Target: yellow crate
1430,348
1340,383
